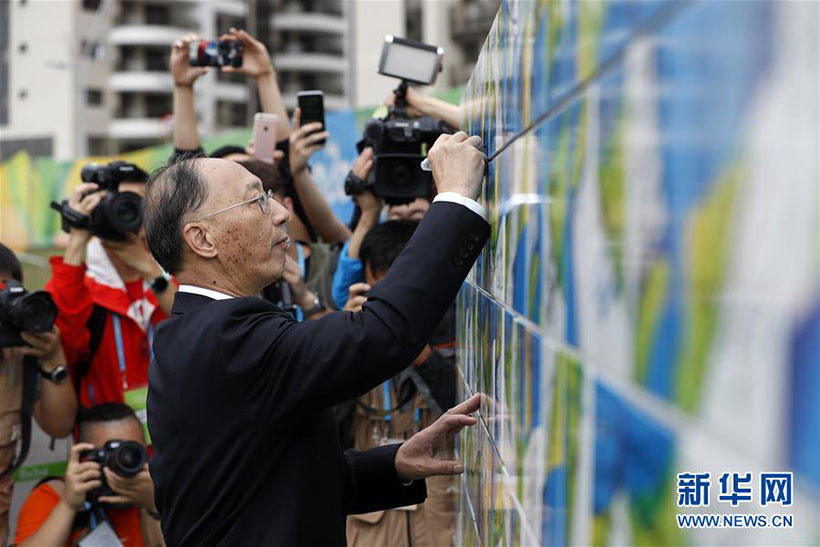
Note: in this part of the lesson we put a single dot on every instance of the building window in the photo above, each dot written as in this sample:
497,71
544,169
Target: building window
42,147
155,60
97,146
157,106
93,97
91,5
156,14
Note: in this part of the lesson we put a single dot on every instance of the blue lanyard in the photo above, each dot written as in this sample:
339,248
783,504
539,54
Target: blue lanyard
386,387
300,316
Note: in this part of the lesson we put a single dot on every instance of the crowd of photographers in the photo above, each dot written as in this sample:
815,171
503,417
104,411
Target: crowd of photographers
76,356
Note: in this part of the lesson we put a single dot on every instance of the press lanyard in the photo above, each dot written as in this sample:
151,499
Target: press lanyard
386,387
300,316
121,346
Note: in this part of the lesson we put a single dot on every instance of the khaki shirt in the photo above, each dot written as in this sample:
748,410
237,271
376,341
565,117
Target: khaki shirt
11,399
431,523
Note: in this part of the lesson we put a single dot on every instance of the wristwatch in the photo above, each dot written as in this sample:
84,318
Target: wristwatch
58,375
316,308
160,283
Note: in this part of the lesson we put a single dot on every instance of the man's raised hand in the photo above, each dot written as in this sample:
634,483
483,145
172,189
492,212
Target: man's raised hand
458,164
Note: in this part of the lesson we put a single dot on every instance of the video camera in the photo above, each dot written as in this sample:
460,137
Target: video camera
118,213
22,310
125,458
400,143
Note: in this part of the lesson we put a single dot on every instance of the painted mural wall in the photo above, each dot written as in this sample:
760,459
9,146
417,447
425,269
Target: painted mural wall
649,302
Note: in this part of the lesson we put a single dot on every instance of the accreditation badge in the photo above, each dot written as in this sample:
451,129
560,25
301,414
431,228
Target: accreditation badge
137,399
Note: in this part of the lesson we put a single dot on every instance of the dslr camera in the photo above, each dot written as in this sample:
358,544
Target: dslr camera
23,310
125,458
400,143
118,213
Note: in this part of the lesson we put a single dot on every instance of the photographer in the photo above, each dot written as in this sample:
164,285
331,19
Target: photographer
256,64
110,303
96,496
54,408
401,406
294,146
416,120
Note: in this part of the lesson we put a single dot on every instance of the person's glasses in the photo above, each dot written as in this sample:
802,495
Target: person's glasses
262,199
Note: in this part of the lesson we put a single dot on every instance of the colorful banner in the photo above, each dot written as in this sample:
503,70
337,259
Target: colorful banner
645,319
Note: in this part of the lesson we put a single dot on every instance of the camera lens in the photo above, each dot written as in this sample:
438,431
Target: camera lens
89,172
402,175
124,212
128,459
34,312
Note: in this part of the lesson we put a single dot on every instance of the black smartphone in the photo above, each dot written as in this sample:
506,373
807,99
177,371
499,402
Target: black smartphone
312,105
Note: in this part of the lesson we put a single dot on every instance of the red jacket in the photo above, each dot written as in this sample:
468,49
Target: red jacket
75,290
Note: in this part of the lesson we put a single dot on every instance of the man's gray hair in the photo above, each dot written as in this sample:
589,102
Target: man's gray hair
173,191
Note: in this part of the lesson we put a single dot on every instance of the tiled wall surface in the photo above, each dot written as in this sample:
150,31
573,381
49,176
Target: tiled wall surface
649,301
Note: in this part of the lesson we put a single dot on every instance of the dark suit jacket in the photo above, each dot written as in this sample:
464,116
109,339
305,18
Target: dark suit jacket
245,448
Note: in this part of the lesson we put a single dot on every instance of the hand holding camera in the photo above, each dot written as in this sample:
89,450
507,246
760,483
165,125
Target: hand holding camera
134,253
137,490
81,477
184,74
122,469
254,59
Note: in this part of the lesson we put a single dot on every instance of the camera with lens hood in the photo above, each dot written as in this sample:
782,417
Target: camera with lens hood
118,213
125,458
400,143
22,310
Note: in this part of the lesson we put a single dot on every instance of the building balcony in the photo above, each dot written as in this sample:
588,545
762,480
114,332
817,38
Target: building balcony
472,21
309,62
148,35
136,129
144,81
309,22
227,91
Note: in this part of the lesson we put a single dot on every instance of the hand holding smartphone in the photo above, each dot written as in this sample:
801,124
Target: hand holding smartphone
264,136
312,105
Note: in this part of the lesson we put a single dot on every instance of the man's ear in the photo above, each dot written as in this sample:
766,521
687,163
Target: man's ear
199,240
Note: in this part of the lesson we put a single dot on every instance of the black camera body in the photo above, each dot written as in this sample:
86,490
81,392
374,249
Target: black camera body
125,458
399,145
118,213
23,310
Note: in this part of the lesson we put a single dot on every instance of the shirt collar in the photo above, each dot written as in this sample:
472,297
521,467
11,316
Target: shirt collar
209,293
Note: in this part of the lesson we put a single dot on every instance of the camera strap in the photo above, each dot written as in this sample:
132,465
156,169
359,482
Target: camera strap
30,379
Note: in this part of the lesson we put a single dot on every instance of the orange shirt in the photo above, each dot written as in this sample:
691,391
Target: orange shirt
43,499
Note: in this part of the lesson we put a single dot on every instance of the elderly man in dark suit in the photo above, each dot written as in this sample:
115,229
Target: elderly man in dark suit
245,446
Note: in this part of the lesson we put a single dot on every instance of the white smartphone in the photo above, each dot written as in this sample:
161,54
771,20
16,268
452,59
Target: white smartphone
264,136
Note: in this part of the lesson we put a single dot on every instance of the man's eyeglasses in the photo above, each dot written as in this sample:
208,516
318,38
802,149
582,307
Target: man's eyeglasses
262,199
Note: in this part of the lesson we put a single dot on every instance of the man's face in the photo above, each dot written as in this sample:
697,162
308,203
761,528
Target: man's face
414,210
249,243
99,433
